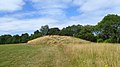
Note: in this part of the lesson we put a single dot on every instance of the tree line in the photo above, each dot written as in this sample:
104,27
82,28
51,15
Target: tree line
107,30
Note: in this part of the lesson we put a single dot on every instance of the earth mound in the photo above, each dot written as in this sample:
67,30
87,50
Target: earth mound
56,40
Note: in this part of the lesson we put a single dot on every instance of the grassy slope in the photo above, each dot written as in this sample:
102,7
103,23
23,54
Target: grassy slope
56,40
83,55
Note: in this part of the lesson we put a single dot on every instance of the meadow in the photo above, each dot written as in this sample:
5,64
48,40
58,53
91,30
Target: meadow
73,55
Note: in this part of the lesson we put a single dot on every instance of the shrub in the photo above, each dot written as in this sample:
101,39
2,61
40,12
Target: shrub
99,40
110,40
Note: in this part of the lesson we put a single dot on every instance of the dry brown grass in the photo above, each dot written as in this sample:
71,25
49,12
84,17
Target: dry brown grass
56,40
94,55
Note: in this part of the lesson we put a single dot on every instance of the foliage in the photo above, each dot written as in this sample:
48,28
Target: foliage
110,40
16,39
24,38
53,31
36,34
99,40
109,27
87,33
71,30
44,30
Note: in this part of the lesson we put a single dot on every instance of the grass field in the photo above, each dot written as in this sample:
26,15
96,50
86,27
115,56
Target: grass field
79,55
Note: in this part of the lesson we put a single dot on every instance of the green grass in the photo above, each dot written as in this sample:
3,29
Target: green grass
81,55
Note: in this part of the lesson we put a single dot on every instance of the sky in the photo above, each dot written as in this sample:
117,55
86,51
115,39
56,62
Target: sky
26,16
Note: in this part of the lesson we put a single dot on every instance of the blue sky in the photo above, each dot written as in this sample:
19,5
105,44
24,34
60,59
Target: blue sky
21,16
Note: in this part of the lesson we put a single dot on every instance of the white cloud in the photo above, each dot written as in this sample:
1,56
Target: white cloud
12,25
52,8
95,5
11,5
94,10
49,4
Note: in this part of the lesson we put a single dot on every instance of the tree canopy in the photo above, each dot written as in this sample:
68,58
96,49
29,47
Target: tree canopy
109,28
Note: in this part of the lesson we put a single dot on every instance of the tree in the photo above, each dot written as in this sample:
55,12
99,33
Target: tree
16,39
53,31
87,33
117,35
24,38
109,27
71,30
44,30
37,34
5,39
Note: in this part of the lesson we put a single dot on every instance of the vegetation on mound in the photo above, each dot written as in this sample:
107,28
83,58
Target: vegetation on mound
56,40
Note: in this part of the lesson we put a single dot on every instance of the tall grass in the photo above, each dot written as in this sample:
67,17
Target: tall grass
94,55
79,55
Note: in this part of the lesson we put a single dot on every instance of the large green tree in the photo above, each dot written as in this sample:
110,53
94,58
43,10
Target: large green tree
109,27
87,33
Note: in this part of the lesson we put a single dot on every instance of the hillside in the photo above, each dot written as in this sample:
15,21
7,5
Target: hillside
57,40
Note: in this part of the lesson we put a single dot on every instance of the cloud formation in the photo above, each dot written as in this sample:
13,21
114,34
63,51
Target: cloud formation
52,13
11,5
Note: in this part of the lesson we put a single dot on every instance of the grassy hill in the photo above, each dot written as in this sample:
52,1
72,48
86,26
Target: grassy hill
57,40
72,55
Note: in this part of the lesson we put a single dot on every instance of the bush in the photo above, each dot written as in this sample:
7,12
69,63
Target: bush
110,40
99,40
